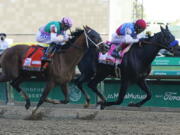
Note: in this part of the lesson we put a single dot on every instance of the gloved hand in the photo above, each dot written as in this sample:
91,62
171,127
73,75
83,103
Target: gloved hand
141,40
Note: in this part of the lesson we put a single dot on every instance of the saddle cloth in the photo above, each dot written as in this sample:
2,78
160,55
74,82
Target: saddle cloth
107,58
32,60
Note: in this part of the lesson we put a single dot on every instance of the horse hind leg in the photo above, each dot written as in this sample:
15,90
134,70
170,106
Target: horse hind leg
142,84
15,84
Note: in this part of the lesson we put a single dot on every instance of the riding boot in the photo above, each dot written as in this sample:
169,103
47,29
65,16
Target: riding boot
48,53
46,57
116,54
118,48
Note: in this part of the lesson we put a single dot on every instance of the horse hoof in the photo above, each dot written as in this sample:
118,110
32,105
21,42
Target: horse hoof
64,101
86,105
100,105
28,104
133,105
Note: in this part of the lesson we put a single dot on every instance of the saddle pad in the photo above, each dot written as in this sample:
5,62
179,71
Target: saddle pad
107,58
32,61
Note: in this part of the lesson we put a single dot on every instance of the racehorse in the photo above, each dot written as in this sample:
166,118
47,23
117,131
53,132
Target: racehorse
135,67
176,51
87,67
59,72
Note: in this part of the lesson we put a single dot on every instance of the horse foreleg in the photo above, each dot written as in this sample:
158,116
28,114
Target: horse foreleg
65,92
86,105
100,76
122,93
142,84
15,84
50,85
64,89
79,82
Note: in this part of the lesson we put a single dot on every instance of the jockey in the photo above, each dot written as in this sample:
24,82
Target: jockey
51,32
128,33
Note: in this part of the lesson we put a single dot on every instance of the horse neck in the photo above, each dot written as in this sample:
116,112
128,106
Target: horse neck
73,55
151,50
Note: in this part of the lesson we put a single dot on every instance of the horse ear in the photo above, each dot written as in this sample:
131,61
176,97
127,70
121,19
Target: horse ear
162,29
167,27
84,27
87,27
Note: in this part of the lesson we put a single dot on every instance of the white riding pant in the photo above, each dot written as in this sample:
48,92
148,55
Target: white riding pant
48,38
123,39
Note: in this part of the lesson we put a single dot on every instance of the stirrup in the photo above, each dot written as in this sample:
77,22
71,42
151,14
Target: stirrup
46,59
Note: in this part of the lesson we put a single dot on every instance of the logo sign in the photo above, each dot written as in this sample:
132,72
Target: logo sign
74,93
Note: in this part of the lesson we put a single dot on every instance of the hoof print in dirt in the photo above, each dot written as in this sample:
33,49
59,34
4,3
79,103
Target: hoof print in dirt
37,116
87,117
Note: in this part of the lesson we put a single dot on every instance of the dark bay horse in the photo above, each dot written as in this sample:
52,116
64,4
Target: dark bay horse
60,71
87,67
135,68
176,51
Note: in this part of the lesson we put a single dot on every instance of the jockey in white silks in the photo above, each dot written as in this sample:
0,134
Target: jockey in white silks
51,32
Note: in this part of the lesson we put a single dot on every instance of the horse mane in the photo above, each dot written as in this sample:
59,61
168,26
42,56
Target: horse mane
74,35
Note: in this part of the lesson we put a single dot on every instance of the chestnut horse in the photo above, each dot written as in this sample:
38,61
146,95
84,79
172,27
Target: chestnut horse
59,72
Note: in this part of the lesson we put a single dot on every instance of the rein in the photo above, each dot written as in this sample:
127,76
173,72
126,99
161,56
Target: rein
158,44
171,44
77,47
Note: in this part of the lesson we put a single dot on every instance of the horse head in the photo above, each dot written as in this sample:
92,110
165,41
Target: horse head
166,39
93,39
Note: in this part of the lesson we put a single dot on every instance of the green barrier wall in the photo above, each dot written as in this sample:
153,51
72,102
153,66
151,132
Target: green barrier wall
3,93
164,93
167,66
34,90
166,61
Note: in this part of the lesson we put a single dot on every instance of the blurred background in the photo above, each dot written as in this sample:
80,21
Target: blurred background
20,19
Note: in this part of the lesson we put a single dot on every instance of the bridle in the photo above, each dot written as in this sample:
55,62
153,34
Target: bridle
89,39
155,43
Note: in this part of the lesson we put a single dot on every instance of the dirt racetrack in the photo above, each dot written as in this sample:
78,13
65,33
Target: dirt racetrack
66,121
